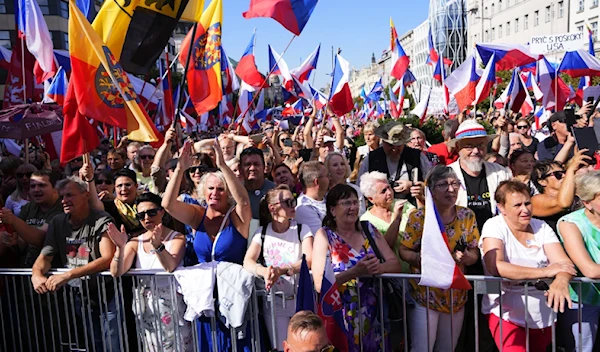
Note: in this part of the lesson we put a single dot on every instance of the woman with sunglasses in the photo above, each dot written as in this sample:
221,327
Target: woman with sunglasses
523,128
525,250
557,188
20,196
276,254
442,310
521,162
222,229
352,256
159,247
105,185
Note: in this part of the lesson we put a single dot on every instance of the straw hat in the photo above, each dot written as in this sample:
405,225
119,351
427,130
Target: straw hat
470,129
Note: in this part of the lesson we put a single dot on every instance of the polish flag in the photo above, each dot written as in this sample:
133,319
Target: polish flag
438,268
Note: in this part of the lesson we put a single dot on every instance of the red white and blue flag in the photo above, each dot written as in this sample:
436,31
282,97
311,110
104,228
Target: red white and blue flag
395,107
532,85
291,14
580,63
279,67
400,61
340,97
462,83
5,55
246,68
508,56
232,84
167,105
58,88
329,308
486,82
32,26
421,109
320,99
516,92
434,56
584,82
438,268
306,68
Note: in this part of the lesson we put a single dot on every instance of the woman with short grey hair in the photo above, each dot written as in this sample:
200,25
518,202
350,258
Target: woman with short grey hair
388,215
579,232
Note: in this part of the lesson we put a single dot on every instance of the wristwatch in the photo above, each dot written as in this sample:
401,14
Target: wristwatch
159,249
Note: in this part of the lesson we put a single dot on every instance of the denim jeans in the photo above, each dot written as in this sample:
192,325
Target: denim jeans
102,319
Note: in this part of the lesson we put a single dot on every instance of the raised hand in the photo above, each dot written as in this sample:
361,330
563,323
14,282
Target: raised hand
119,238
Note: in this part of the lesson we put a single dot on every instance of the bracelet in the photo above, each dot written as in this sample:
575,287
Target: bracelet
92,180
159,249
117,258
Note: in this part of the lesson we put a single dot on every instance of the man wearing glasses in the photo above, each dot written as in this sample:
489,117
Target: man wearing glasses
306,333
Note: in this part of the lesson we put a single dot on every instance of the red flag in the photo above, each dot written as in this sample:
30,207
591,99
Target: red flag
79,137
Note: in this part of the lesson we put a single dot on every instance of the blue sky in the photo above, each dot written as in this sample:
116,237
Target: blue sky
358,27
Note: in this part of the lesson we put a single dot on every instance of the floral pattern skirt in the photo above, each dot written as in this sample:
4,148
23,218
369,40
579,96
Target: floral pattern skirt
160,319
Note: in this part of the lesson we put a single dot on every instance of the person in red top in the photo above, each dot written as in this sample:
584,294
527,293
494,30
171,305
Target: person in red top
445,153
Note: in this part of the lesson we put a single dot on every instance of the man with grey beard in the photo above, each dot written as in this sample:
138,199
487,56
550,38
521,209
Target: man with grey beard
479,180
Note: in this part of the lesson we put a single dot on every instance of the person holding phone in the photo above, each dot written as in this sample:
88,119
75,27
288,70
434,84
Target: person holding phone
353,256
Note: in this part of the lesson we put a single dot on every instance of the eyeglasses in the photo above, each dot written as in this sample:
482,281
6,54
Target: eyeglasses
446,186
348,203
146,157
522,127
479,146
105,182
289,203
557,174
124,185
21,174
150,212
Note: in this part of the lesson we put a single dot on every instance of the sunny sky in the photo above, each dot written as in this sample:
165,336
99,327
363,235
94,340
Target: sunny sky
358,27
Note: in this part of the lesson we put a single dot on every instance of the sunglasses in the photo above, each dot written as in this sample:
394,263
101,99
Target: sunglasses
202,169
105,182
150,212
522,127
146,157
21,174
557,174
289,203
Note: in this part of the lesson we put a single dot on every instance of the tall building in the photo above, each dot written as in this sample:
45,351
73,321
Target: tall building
448,19
582,13
420,51
516,21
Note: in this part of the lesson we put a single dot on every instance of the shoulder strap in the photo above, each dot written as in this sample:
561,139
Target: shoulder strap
220,230
261,257
365,226
299,232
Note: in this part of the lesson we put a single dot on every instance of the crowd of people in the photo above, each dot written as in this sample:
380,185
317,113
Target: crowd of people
514,204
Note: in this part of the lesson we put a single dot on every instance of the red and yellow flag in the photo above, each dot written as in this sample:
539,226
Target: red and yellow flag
102,88
204,72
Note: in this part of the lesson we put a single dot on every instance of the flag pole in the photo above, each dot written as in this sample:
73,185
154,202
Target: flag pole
161,78
264,82
185,70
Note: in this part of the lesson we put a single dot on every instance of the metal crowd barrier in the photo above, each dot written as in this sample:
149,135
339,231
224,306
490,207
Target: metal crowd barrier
68,320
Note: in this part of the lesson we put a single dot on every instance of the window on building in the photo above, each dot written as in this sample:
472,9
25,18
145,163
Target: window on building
5,39
526,22
594,26
499,5
3,7
66,40
64,9
500,31
536,18
487,36
548,14
485,12
507,28
561,9
516,25
493,9
594,3
580,29
507,3
44,6
581,6
493,33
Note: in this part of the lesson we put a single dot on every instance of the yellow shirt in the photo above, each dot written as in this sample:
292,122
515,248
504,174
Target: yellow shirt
463,228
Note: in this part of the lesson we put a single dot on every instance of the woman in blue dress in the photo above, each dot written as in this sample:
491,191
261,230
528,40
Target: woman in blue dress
222,229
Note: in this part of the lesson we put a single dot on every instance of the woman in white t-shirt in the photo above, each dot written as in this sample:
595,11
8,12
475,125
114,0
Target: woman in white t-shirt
514,246
275,254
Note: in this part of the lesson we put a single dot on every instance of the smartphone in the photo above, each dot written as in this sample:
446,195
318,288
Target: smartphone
257,138
305,154
571,120
288,142
586,139
590,100
415,175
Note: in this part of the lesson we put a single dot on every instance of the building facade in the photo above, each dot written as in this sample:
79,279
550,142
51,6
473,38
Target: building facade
582,14
366,76
448,23
516,21
418,60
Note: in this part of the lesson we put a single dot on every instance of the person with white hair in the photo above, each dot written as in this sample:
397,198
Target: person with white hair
388,215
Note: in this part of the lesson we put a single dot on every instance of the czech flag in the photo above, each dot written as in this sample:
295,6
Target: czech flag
462,83
421,109
532,85
527,106
529,67
278,66
102,88
320,99
329,308
579,63
516,92
305,69
5,56
434,57
231,84
591,49
549,82
486,82
400,61
438,268
340,97
246,68
395,106
291,14
58,88
376,92
32,26
508,56
584,82
165,85
406,81
204,74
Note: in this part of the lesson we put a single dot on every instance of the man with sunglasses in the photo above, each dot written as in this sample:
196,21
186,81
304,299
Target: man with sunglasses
32,223
306,333
550,147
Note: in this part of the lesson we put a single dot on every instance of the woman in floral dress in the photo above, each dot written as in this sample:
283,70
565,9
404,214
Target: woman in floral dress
442,309
352,256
